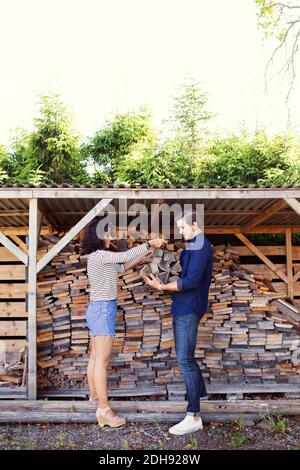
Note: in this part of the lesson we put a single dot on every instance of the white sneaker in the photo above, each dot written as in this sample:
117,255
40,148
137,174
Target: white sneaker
188,424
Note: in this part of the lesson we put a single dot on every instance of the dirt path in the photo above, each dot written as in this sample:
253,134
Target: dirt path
273,432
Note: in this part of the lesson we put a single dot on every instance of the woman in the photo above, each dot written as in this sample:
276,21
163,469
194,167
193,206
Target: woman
103,266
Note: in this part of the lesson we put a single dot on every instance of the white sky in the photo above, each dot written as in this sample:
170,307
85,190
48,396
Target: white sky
107,56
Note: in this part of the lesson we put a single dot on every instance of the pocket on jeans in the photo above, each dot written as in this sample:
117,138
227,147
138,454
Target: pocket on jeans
91,310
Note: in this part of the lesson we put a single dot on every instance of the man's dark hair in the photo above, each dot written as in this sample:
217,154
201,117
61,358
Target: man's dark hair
190,217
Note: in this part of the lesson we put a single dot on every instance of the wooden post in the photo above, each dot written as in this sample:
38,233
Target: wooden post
289,261
31,301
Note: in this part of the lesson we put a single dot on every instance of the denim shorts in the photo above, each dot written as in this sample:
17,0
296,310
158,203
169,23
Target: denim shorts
101,317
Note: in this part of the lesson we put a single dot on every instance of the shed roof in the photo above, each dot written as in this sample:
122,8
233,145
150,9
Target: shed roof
225,206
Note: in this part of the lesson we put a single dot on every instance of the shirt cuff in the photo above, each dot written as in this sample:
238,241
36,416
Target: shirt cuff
179,283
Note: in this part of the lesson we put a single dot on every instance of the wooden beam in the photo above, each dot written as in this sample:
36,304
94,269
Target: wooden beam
222,229
206,212
31,299
72,233
10,213
159,390
232,229
284,406
58,411
151,193
293,203
23,230
15,250
19,242
289,262
269,250
258,253
264,215
184,193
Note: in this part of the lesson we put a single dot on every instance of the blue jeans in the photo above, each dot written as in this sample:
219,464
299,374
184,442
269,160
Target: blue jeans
185,329
101,317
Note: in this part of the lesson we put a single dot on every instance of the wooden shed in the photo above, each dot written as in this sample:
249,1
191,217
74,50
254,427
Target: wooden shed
248,341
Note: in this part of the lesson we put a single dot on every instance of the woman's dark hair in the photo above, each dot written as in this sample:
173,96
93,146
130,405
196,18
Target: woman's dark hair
91,242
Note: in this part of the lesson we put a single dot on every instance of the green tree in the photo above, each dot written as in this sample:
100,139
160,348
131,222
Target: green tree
50,153
20,165
120,137
163,164
291,173
189,120
4,162
244,159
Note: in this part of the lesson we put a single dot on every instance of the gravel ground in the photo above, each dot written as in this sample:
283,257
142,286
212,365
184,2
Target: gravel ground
273,432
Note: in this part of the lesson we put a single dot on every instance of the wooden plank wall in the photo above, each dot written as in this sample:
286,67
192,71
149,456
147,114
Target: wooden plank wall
13,319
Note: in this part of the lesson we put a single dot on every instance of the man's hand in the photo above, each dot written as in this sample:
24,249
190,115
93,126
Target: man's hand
156,284
153,282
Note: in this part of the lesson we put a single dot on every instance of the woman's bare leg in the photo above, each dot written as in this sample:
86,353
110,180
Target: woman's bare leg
103,350
91,369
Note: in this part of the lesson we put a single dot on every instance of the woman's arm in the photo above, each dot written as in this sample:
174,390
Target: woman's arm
125,256
141,259
113,257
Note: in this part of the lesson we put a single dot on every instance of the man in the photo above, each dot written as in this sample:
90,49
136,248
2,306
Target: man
190,297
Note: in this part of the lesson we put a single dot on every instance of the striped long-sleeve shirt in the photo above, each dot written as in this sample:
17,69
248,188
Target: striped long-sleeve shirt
103,268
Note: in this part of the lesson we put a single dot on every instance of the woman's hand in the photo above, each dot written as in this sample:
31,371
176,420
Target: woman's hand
147,258
157,242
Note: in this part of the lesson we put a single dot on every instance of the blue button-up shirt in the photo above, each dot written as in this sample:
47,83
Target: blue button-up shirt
195,278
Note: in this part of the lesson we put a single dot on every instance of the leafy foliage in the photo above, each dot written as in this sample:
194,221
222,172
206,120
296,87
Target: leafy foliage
3,164
128,149
164,164
51,152
189,120
269,20
123,136
242,159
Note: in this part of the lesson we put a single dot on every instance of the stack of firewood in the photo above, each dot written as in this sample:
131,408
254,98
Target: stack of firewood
13,368
62,333
243,338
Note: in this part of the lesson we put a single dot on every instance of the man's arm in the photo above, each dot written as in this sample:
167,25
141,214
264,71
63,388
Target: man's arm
190,281
156,284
